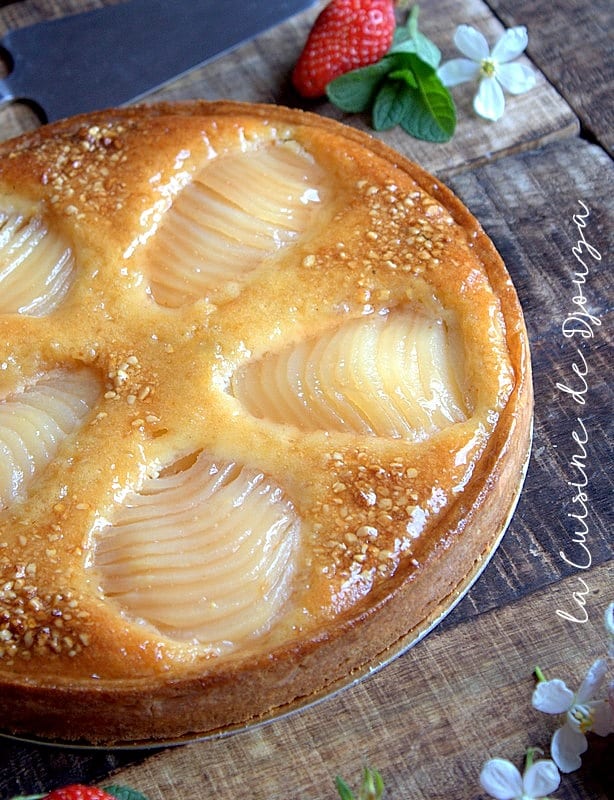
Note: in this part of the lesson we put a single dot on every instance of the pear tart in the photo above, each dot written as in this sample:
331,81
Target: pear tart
265,406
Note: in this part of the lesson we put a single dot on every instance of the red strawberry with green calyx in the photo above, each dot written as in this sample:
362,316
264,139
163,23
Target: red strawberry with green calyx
347,34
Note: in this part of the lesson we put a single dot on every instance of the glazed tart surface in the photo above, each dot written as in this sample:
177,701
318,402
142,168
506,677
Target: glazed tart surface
265,403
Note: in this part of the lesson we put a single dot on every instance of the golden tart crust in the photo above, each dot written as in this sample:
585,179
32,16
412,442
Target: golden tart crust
283,382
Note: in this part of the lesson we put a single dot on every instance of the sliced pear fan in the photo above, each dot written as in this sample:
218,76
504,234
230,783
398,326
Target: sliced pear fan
36,266
396,374
204,554
240,209
35,421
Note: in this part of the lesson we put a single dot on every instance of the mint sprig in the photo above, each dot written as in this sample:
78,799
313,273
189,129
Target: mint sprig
401,89
371,788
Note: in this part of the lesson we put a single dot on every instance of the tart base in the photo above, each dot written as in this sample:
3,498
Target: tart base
246,690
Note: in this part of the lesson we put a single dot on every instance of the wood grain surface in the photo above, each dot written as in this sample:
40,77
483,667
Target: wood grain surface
541,183
572,43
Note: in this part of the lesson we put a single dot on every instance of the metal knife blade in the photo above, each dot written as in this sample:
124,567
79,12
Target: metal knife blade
117,54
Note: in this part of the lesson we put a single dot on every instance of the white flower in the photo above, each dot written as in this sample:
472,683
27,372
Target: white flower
503,781
582,712
492,69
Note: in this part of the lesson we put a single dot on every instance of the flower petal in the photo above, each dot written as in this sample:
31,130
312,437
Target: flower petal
593,680
471,43
552,697
603,718
489,101
566,747
510,45
516,78
501,779
458,70
541,778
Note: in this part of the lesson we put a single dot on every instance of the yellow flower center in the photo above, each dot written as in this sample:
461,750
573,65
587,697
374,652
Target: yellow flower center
488,67
581,717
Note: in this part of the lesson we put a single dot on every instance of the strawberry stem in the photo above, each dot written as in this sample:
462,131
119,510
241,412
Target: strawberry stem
412,22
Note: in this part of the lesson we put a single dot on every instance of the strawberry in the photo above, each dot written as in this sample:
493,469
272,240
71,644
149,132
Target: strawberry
77,791
347,34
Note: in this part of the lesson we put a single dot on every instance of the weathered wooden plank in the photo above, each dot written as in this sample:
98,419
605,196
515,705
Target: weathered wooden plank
534,206
571,43
428,721
260,72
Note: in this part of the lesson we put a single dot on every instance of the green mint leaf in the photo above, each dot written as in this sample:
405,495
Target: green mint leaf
378,782
408,39
401,89
423,122
400,35
345,793
372,785
354,91
389,106
404,75
422,47
124,793
429,112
